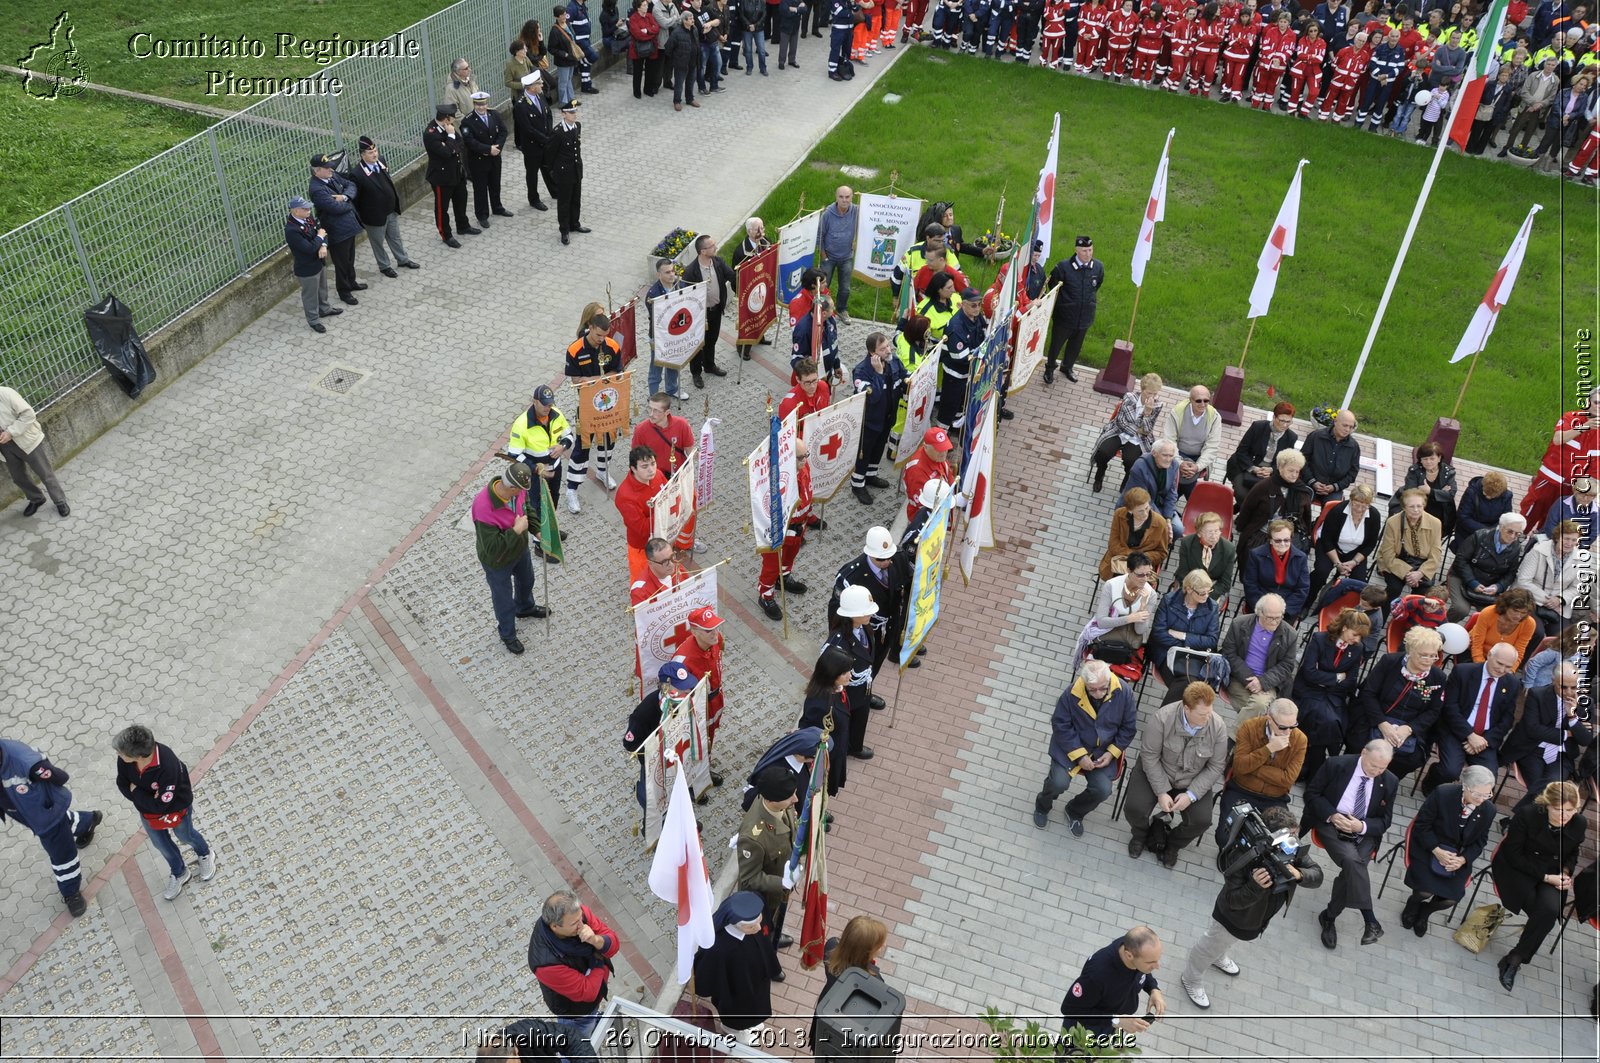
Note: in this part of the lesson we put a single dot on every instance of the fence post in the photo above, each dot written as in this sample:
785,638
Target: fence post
427,65
83,256
227,201
505,10
333,120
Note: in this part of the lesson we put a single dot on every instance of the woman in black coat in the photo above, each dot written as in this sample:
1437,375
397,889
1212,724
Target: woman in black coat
1329,673
1282,494
1485,498
1533,868
1346,540
1444,841
1432,474
827,707
1401,701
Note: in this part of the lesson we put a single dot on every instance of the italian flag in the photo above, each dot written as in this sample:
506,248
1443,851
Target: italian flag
1478,72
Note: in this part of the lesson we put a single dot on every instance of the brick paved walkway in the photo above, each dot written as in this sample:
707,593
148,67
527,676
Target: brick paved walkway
279,604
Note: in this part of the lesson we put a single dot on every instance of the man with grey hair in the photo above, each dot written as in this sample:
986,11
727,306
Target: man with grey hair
1091,730
1260,650
1333,457
1555,728
1157,473
1267,755
151,776
308,248
836,239
1196,429
1486,565
570,954
1350,804
459,87
755,241
1480,701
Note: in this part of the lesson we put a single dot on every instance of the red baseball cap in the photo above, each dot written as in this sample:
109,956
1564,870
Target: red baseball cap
937,437
705,617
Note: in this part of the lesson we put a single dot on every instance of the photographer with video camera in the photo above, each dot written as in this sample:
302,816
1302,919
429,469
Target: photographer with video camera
1262,863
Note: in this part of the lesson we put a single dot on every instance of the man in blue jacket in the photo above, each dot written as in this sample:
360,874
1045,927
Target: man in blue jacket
334,196
881,376
1104,999
34,792
1092,728
578,23
308,246
1332,18
1387,62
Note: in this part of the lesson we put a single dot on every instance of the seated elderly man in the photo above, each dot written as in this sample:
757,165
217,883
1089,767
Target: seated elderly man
1350,804
1480,701
1279,567
1157,473
1486,565
1135,526
1090,733
1268,753
1196,428
1259,649
1180,765
1333,457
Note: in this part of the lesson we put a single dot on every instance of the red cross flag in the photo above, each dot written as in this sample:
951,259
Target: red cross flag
1280,245
1155,210
1488,312
1031,328
1046,192
661,622
673,505
833,434
678,875
919,404
978,485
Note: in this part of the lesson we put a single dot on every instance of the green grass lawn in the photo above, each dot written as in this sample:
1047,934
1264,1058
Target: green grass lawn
966,130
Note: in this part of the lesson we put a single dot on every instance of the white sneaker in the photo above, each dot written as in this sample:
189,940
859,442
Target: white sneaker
1226,965
1197,993
208,866
611,481
175,885
573,505
682,396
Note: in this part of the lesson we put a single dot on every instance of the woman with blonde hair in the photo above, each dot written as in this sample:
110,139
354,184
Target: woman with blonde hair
1204,549
1283,495
1346,540
1131,431
1400,701
1533,868
862,944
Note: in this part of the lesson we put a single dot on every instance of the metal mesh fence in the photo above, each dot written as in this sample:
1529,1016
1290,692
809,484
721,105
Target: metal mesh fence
138,237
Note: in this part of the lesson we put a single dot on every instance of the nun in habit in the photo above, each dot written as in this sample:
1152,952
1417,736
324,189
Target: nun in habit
737,970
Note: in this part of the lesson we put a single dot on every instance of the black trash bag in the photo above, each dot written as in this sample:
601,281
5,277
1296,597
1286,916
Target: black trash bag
121,350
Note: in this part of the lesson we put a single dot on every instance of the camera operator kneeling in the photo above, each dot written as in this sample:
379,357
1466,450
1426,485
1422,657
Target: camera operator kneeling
1262,864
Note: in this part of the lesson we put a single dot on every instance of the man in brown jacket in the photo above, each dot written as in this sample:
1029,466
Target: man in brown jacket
22,443
1268,752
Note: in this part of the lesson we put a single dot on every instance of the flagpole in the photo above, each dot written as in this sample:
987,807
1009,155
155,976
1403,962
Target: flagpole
1473,365
1247,336
1136,292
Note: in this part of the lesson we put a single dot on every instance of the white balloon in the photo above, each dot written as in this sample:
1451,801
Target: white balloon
1422,97
1456,639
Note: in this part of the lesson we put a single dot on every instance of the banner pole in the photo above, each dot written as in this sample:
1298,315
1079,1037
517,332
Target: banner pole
1136,292
1470,367
894,702
544,561
1247,336
783,597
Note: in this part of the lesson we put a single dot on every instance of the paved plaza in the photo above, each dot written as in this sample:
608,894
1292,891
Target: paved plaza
280,581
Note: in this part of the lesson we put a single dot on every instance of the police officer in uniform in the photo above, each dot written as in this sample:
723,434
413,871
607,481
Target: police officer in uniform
485,135
540,438
765,843
566,170
446,174
34,792
530,118
334,196
1080,278
963,337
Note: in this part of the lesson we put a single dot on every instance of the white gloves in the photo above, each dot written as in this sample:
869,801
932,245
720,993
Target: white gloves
788,876
958,500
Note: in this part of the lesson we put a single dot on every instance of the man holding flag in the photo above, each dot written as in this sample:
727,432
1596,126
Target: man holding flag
963,338
765,845
500,521
779,564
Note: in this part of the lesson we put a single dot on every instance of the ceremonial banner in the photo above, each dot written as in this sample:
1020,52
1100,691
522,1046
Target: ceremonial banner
810,854
680,739
549,533
988,370
660,623
977,484
1476,338
678,875
1279,246
924,608
770,500
625,330
797,252
1031,329
680,321
603,405
833,434
707,463
1483,65
1046,193
920,395
758,294
885,230
673,506
1155,210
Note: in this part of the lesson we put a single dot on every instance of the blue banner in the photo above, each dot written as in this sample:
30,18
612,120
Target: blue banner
774,486
988,373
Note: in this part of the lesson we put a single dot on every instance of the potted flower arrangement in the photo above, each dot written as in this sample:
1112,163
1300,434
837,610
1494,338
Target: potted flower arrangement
677,245
997,246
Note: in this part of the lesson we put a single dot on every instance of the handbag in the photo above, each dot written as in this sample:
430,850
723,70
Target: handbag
1477,929
1408,746
645,49
1112,650
1157,834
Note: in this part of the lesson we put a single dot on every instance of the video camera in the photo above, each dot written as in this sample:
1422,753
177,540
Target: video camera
1251,843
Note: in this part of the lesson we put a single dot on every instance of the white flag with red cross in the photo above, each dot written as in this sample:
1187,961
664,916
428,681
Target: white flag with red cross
1279,246
978,486
1032,325
1476,337
1045,195
833,435
678,875
1155,210
661,622
921,390
674,504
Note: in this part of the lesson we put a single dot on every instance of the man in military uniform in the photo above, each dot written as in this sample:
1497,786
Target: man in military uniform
765,843
485,135
530,118
1080,278
593,354
540,438
446,174
874,568
566,170
334,196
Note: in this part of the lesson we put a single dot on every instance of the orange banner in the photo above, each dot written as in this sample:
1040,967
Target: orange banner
603,408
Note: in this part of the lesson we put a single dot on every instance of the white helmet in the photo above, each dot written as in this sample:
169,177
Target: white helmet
879,545
933,493
856,601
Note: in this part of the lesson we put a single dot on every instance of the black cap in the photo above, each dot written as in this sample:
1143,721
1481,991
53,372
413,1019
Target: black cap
445,110
366,143
745,906
321,161
970,294
776,783
571,105
1083,241
543,394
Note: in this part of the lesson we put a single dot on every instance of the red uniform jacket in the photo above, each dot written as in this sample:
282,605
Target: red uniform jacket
800,305
647,586
1308,53
1120,28
1276,48
1228,12
1092,22
1241,42
704,663
1055,19
1208,36
1184,37
919,470
804,404
1348,65
1151,32
671,445
802,499
633,502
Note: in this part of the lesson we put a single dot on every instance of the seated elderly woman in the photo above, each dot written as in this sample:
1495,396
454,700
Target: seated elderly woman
1283,495
1346,539
1486,563
1278,566
1400,701
1436,479
1330,671
1482,503
1186,617
1131,431
1412,546
1135,526
1205,550
1122,613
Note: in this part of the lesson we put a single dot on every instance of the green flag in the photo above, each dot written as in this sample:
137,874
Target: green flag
549,534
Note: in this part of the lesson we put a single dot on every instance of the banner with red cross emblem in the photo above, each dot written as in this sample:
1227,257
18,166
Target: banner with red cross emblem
921,390
661,622
758,294
1031,328
833,435
978,486
673,505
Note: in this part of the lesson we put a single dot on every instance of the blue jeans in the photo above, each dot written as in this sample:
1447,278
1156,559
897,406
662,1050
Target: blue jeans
511,591
836,275
563,84
1097,789
759,39
580,1027
710,66
1402,115
166,842
663,379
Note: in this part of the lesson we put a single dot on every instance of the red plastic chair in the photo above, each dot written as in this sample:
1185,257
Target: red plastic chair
1215,497
1330,612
